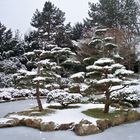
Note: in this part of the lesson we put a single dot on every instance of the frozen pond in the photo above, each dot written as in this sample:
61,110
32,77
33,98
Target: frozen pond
124,132
17,106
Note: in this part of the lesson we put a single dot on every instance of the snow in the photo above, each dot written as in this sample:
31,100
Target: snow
109,80
45,53
75,43
11,93
78,75
69,61
67,115
93,67
108,38
4,120
29,53
100,30
110,45
44,62
123,72
23,71
103,61
95,41
39,78
63,97
73,115
117,65
118,56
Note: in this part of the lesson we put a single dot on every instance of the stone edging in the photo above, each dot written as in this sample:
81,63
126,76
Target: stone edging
84,127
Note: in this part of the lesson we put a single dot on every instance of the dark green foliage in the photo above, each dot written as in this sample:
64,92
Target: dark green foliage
35,112
50,26
114,13
10,46
62,107
32,41
77,31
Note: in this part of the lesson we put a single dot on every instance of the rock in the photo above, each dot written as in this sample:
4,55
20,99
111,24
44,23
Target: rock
65,126
86,128
4,125
103,124
85,122
132,115
118,120
47,126
34,123
8,122
14,122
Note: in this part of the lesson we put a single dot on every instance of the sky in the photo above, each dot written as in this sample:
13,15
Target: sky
17,14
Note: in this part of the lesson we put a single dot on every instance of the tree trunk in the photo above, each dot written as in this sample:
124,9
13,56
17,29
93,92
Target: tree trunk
107,103
38,97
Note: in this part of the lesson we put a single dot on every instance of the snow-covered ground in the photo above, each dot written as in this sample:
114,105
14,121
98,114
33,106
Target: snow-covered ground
68,115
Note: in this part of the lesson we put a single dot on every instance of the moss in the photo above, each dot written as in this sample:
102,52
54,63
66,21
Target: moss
62,107
98,113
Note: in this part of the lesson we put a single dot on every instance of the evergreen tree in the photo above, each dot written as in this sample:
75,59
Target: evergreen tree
114,13
106,74
50,25
77,31
5,38
31,41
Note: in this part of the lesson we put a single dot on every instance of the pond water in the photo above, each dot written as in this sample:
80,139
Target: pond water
124,132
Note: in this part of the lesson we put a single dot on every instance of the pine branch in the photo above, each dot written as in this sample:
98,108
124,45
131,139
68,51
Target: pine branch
118,89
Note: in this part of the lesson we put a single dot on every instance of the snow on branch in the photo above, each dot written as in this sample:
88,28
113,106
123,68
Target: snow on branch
39,78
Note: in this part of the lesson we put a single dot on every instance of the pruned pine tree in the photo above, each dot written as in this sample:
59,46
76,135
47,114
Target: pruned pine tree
102,44
52,67
107,77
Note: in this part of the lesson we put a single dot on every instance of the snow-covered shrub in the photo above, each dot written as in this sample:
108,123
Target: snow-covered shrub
12,93
127,96
52,86
63,97
11,65
6,80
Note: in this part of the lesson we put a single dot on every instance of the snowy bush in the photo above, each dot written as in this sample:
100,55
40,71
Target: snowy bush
11,93
63,97
129,96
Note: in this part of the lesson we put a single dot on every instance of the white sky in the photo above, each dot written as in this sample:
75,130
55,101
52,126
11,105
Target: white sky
17,14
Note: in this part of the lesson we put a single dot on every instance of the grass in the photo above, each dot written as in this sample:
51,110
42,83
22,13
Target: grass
62,107
35,112
98,113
